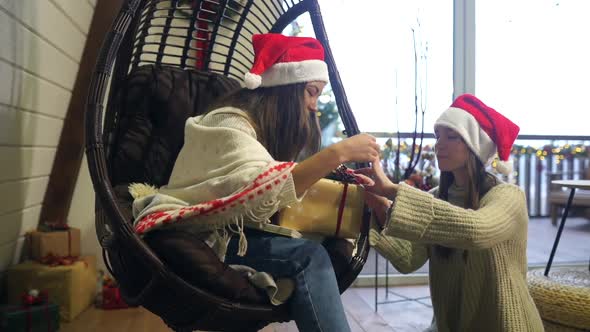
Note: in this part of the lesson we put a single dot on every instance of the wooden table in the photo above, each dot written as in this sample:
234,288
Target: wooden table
573,185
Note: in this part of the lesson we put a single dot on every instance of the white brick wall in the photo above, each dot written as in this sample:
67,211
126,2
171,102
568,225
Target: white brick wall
42,43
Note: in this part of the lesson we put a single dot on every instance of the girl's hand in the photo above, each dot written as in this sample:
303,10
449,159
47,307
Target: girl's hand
379,206
358,148
383,186
364,180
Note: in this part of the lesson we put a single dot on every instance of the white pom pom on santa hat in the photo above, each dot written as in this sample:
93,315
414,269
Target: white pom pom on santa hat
252,81
504,167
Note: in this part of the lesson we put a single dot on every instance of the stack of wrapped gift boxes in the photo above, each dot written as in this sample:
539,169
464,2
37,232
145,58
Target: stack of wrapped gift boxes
56,269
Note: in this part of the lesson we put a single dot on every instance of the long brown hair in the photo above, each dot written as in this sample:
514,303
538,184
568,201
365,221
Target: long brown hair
282,123
479,182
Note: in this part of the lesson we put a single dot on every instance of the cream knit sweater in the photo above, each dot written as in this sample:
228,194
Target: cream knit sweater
487,291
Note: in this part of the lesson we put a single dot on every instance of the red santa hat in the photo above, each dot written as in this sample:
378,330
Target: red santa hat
281,60
483,129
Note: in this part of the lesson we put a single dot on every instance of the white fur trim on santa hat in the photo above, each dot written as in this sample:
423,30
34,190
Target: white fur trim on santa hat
288,73
467,126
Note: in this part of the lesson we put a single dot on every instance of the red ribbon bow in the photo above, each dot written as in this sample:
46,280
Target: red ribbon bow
29,299
57,226
53,260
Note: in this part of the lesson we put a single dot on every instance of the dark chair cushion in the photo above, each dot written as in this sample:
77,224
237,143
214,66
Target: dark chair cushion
192,260
153,105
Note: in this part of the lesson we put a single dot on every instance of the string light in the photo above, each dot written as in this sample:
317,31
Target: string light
558,152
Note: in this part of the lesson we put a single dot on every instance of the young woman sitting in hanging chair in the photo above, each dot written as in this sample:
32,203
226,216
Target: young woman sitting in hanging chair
237,169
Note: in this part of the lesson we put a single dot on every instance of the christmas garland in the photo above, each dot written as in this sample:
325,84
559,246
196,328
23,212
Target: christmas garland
567,151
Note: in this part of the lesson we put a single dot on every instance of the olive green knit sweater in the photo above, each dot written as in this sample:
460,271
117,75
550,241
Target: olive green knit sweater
482,285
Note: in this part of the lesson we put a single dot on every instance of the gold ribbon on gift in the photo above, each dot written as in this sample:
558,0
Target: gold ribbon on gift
330,208
53,260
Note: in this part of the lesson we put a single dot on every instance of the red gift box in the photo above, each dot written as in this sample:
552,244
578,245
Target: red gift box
111,298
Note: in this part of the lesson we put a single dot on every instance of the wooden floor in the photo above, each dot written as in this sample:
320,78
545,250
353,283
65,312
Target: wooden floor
358,303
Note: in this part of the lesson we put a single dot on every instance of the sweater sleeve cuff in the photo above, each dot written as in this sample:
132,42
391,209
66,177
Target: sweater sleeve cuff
387,246
411,213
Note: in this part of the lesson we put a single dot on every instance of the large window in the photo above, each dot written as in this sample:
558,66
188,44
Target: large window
394,57
389,52
532,63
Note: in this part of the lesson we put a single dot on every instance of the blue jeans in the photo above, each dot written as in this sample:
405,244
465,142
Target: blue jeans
315,304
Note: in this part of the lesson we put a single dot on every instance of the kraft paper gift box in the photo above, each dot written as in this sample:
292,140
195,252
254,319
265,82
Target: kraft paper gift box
72,287
329,208
58,243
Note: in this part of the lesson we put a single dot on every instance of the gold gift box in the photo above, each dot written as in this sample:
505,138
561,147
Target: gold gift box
72,287
318,211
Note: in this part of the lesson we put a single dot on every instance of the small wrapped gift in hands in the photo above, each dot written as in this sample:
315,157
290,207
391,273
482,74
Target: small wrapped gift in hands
333,206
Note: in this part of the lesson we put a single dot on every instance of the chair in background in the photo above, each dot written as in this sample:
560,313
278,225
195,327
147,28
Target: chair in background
557,197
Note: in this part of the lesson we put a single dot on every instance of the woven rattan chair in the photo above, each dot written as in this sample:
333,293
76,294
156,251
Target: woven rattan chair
210,38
